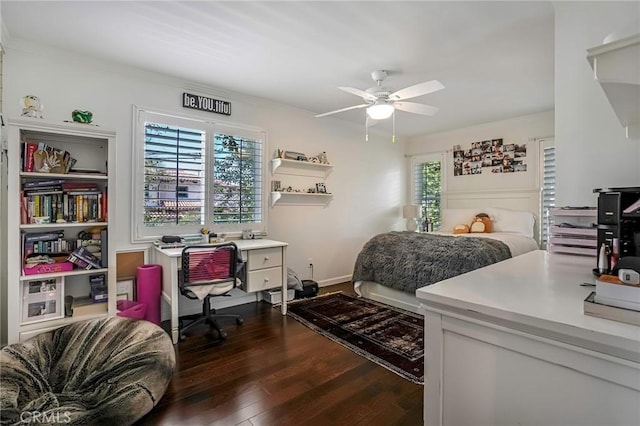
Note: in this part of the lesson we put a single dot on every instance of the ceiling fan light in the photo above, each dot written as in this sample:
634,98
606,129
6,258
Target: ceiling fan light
380,111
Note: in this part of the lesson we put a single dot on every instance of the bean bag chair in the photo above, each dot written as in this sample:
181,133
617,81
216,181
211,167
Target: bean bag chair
102,371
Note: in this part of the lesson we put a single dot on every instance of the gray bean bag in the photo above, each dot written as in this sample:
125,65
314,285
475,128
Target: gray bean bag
104,371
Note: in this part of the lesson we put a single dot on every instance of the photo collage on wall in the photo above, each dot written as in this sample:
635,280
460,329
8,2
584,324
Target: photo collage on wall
492,155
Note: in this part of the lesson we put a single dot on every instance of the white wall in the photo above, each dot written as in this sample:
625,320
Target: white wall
367,180
518,130
591,148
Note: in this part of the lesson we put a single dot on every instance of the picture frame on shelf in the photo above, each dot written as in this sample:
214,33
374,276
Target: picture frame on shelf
42,300
125,289
275,186
321,188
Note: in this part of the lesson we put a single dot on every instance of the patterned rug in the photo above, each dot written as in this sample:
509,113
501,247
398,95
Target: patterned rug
388,336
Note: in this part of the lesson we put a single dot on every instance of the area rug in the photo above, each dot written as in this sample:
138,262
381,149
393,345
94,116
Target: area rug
390,337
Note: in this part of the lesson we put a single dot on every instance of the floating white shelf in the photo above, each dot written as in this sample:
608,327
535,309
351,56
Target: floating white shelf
300,168
615,67
300,198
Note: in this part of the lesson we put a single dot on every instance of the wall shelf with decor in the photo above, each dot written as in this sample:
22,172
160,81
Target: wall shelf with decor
308,188
60,178
615,67
300,168
572,231
300,198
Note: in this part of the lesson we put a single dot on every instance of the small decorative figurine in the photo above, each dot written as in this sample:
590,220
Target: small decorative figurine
31,106
80,116
322,158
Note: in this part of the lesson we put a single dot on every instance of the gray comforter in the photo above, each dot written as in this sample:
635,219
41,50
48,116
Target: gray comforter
407,261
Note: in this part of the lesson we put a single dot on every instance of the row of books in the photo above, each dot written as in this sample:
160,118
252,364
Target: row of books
84,253
43,158
614,300
66,207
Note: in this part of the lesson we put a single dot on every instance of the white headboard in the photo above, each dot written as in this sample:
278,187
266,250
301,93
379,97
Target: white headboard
520,199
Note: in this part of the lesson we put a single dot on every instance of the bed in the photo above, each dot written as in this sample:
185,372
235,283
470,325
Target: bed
393,265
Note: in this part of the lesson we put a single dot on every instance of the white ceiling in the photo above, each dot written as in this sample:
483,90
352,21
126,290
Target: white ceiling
494,58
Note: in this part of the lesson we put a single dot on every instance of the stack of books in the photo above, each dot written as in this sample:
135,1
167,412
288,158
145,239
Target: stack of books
614,300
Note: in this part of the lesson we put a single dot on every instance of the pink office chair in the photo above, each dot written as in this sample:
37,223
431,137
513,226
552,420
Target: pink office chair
208,271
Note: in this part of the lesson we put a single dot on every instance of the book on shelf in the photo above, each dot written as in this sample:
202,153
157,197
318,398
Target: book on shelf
610,286
29,149
82,258
98,286
614,313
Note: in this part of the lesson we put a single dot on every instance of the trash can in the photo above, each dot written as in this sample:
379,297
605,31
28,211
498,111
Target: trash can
149,291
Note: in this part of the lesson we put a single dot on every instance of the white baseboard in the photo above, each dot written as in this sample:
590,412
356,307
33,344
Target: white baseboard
335,280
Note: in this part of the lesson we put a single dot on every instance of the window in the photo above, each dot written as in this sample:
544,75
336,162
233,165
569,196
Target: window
427,175
547,187
192,174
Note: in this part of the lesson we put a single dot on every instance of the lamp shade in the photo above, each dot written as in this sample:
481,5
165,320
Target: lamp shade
380,110
411,211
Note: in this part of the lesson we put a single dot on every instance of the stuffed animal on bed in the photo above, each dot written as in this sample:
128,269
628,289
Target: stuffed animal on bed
461,229
481,223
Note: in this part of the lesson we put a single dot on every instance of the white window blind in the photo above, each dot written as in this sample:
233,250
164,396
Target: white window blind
192,174
237,174
427,187
548,188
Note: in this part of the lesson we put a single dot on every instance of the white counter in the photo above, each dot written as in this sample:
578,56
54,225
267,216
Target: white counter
510,343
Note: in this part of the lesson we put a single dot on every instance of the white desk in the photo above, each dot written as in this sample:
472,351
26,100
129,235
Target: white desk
510,344
266,268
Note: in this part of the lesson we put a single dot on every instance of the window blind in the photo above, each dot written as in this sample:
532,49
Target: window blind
237,174
548,192
174,179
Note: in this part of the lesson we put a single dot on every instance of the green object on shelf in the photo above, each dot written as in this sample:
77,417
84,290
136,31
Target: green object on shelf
80,116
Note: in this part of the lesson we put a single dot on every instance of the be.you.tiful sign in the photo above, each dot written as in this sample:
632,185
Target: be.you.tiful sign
203,103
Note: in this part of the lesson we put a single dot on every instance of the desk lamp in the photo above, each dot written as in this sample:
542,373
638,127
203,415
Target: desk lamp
411,212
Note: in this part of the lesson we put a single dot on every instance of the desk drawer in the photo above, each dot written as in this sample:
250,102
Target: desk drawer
263,279
264,258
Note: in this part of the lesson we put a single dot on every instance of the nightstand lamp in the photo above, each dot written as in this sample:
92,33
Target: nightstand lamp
411,212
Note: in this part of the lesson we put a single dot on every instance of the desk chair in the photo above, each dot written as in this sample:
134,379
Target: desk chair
208,271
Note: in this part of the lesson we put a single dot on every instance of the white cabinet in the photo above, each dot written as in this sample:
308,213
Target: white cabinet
509,344
305,169
47,212
572,231
616,68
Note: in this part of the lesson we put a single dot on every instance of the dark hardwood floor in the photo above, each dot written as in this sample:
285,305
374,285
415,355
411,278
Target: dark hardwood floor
274,371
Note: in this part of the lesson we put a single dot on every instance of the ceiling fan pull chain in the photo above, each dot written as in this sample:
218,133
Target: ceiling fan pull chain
393,118
366,127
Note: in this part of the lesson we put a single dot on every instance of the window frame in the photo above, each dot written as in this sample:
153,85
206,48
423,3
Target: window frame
142,233
425,158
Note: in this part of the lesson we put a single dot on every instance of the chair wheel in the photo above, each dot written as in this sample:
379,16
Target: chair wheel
223,335
182,338
239,321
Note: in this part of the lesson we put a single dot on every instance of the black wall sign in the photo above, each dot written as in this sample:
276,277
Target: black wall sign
203,103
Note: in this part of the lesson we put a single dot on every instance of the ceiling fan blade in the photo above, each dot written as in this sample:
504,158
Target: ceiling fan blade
358,92
341,110
417,90
416,108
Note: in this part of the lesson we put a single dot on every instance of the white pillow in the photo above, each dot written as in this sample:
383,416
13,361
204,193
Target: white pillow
453,217
514,221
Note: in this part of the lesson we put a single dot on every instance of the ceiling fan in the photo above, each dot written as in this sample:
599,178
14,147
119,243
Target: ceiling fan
381,101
